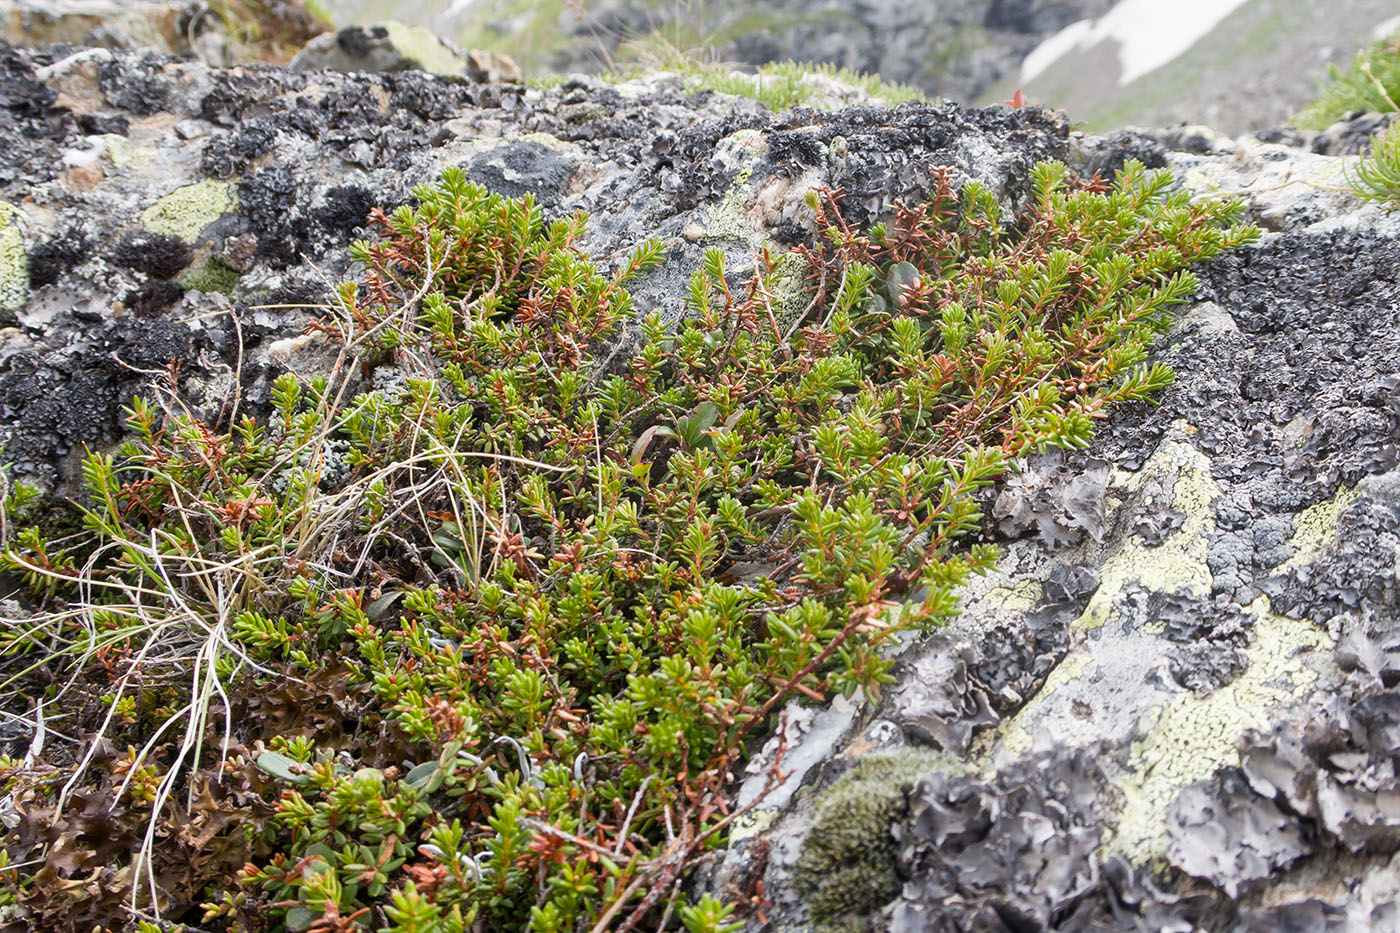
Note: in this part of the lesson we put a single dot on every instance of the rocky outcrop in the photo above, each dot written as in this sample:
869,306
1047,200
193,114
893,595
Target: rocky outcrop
170,28
1173,703
1168,708
952,48
393,46
218,33
159,209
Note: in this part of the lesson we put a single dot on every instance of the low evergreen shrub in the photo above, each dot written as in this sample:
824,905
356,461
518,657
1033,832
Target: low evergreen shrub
484,646
1376,176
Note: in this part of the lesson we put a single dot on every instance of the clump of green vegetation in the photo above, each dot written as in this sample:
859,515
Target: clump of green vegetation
271,30
481,647
783,85
779,86
1372,83
1377,176
212,275
847,867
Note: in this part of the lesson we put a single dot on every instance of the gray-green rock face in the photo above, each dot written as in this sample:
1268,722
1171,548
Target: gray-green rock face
159,208
1174,703
954,48
392,46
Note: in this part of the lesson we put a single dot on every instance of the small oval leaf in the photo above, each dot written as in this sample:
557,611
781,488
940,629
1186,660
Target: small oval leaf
280,766
376,609
421,774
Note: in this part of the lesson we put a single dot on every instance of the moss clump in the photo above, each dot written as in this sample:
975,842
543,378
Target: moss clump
212,275
847,866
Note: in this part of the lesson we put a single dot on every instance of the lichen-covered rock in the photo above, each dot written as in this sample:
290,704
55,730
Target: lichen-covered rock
1172,703
142,191
1015,852
384,47
170,27
1174,699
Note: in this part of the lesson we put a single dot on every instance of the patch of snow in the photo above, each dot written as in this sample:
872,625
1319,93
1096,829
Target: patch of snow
459,6
1056,47
1149,33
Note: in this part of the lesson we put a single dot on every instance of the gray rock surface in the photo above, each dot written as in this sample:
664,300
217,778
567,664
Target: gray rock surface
1173,704
950,48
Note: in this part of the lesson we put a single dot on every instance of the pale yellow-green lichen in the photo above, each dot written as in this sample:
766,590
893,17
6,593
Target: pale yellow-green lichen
750,824
1177,564
726,220
1315,528
1193,736
1204,180
1023,594
14,260
424,48
1014,738
791,294
548,140
187,210
120,150
1329,174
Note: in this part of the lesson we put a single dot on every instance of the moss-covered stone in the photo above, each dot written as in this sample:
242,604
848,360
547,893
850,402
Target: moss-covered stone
425,48
212,275
847,867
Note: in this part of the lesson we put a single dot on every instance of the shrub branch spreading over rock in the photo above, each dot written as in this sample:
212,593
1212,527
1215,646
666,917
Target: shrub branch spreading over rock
483,647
